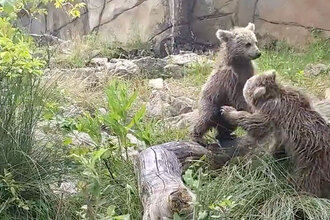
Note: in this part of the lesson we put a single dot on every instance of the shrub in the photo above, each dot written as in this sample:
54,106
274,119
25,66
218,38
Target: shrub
25,168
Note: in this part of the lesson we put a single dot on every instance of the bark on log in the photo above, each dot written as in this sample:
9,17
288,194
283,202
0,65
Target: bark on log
159,170
161,188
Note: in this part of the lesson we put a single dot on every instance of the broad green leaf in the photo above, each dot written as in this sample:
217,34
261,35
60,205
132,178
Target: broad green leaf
98,154
137,117
131,101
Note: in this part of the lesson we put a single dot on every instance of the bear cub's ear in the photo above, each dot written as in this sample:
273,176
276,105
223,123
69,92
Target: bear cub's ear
258,92
271,74
224,35
250,26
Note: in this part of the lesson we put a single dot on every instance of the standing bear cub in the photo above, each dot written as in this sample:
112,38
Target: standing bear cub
225,85
301,132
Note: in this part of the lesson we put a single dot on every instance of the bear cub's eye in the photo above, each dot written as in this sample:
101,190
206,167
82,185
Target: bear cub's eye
248,44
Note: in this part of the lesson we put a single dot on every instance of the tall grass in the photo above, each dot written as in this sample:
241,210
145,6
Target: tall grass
25,168
258,188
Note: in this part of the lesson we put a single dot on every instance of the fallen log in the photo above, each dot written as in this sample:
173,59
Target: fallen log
162,191
159,170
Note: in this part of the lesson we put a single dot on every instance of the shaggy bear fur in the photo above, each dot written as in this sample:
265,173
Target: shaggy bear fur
297,128
225,85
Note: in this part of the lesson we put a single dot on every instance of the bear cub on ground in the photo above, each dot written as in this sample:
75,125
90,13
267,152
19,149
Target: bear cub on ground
301,132
225,84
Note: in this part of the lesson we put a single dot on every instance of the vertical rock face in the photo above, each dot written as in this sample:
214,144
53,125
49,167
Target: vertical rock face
173,24
292,20
125,20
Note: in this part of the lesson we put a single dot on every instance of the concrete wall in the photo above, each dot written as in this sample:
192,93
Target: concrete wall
197,20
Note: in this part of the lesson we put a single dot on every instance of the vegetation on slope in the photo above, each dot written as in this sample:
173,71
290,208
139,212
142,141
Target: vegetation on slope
248,188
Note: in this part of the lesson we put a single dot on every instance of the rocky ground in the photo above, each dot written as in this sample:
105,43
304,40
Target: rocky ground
164,86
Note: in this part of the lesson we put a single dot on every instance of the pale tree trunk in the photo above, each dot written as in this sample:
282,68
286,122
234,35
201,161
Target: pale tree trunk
159,170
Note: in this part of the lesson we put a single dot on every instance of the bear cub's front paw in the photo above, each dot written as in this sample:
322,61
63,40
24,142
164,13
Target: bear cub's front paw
230,114
225,110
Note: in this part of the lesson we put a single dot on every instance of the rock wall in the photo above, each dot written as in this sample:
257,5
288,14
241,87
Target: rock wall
191,22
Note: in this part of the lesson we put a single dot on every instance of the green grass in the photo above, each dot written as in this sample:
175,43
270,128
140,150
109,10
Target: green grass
257,188
196,74
290,64
249,188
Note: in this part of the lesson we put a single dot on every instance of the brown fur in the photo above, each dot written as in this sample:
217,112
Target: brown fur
299,130
225,85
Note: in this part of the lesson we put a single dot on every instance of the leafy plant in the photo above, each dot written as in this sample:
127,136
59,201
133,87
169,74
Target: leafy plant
10,8
117,118
26,169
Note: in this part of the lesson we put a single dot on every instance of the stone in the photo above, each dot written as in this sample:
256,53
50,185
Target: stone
138,19
158,104
71,111
208,8
245,12
102,111
184,58
181,105
122,67
174,70
46,39
294,35
327,94
152,67
294,12
97,61
204,29
156,21
156,83
65,188
182,121
162,104
204,8
315,69
139,145
83,139
287,20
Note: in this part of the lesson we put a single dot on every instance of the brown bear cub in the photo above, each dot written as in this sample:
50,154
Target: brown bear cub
225,85
300,131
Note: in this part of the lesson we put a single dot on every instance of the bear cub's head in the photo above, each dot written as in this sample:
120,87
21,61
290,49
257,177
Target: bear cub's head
261,88
241,42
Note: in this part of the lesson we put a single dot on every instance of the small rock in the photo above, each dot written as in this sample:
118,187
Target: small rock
183,120
71,111
156,83
102,111
122,67
83,139
327,94
98,61
139,145
158,104
183,59
65,188
180,105
152,67
315,69
174,70
162,104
